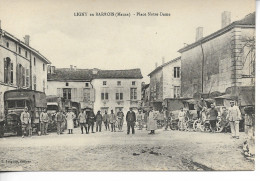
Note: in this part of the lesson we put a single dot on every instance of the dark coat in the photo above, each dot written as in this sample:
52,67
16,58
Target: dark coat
130,116
91,116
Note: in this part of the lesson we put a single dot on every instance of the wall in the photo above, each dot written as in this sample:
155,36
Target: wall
168,79
156,86
112,88
77,94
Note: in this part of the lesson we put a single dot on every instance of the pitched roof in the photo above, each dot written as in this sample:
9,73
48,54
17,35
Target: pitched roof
248,21
36,52
62,74
163,65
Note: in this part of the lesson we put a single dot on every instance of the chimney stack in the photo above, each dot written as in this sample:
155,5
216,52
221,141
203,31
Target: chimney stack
71,67
156,64
225,19
199,33
94,71
163,61
52,69
27,40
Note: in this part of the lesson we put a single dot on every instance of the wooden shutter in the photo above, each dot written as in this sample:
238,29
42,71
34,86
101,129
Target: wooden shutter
92,95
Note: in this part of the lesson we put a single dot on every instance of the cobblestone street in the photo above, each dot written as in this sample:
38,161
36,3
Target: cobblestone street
166,150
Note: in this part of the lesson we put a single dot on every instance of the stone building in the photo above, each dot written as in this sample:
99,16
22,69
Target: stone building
165,82
98,89
220,60
21,66
145,95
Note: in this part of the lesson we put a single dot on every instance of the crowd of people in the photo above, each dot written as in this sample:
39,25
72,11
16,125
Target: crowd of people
114,122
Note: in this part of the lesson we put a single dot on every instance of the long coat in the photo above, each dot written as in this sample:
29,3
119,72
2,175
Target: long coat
151,122
69,117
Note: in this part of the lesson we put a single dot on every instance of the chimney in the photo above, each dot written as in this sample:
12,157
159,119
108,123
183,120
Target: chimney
156,64
27,40
71,67
163,61
199,33
52,69
94,70
225,19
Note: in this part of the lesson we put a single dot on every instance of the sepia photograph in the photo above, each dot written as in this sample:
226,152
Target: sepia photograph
95,85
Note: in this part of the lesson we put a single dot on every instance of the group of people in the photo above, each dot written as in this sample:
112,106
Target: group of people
230,116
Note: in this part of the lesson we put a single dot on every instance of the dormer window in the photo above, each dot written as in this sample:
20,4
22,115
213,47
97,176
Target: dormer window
104,82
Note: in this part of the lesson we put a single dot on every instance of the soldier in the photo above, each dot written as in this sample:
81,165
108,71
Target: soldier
106,120
83,121
44,119
234,115
140,119
181,117
98,122
120,119
91,120
60,118
213,117
25,120
112,120
130,119
200,105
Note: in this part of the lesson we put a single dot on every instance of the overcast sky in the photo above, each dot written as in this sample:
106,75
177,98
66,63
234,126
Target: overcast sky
110,42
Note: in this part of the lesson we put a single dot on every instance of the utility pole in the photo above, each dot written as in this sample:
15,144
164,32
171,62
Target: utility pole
202,68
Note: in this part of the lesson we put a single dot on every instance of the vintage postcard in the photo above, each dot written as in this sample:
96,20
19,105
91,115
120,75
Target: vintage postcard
111,85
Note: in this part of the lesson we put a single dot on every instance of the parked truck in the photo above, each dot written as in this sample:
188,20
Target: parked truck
14,103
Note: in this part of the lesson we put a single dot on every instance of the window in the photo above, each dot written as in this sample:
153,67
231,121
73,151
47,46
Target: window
34,82
7,44
27,78
176,72
8,70
67,84
12,73
104,82
24,76
133,93
133,82
118,83
104,96
34,61
67,93
19,49
20,103
119,96
43,67
86,84
43,85
177,90
26,54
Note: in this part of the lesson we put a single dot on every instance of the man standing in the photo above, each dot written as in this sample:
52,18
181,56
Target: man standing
213,117
181,117
140,119
130,119
98,121
83,121
234,115
70,116
106,120
200,105
112,120
91,120
25,120
120,119
60,118
44,119
151,122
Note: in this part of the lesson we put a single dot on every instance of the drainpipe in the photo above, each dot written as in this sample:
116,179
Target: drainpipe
202,68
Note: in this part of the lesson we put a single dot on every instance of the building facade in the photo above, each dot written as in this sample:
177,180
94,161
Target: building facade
102,90
21,66
220,60
165,82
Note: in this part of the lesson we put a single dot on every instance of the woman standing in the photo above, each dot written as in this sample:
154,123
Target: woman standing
151,122
70,124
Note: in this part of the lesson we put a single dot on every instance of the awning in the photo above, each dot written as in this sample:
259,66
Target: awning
226,96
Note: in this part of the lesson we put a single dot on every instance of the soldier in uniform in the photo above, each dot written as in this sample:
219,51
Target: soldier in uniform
106,120
130,119
98,121
83,121
44,119
120,119
140,119
112,120
234,115
91,120
60,118
25,120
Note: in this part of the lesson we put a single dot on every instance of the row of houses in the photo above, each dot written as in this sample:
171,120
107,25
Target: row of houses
222,63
